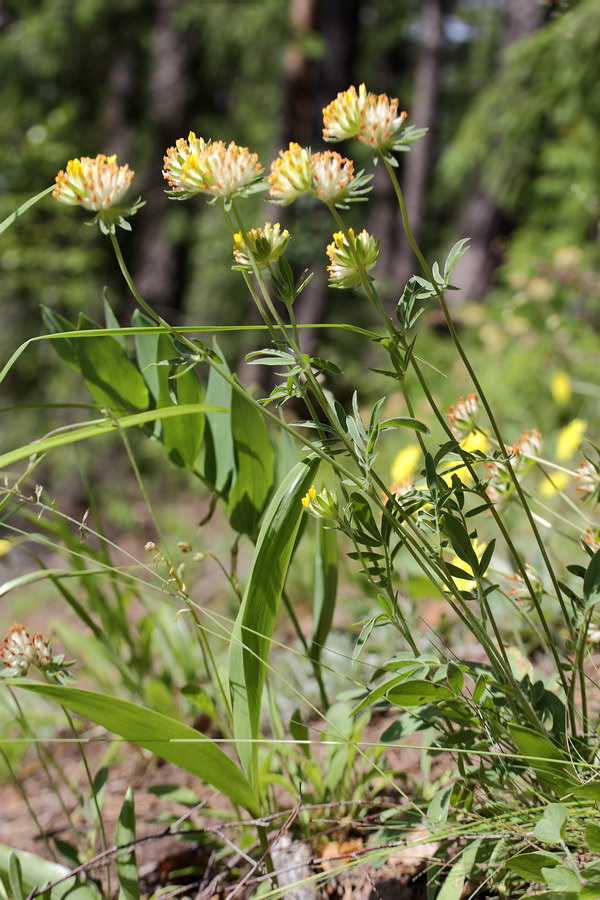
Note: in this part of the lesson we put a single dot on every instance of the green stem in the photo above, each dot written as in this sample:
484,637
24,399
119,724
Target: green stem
506,460
467,363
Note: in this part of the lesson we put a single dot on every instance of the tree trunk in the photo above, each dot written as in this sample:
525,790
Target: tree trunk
481,219
422,115
158,269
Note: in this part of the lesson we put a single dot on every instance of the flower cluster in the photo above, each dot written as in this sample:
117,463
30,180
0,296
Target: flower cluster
323,505
328,175
463,416
195,166
342,119
372,119
349,258
587,476
94,183
97,184
519,590
19,651
266,245
500,485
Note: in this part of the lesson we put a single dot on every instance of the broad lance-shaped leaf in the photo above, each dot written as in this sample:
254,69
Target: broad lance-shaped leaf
37,872
112,379
251,638
172,740
254,463
219,461
182,437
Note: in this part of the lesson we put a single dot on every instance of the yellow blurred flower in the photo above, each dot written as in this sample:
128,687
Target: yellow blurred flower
558,482
405,462
569,439
560,388
5,547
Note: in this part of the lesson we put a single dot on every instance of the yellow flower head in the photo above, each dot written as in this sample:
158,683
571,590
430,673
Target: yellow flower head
569,439
196,166
266,245
323,505
310,496
380,121
587,476
95,183
463,416
343,116
344,271
332,175
405,463
290,174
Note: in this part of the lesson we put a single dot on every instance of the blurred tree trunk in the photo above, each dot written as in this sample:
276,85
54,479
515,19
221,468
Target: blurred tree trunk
158,268
481,220
312,81
423,115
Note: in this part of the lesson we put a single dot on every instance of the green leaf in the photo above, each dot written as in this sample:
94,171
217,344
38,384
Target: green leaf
255,466
15,877
589,791
104,427
453,886
591,581
182,436
37,872
460,540
459,250
175,793
456,678
299,731
325,586
126,865
550,828
146,351
562,878
438,808
406,422
418,693
530,865
554,895
169,739
65,348
12,218
251,639
111,320
110,376
219,459
547,760
592,837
